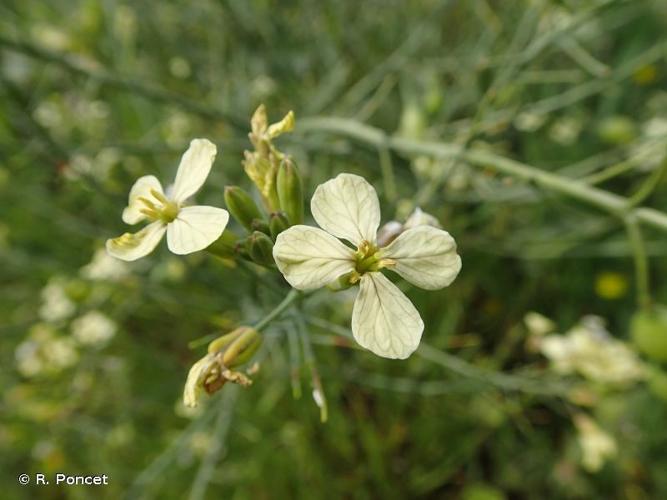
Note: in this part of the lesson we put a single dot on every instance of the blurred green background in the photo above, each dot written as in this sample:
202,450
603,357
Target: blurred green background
94,352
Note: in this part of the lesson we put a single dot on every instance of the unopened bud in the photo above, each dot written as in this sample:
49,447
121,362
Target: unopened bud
261,226
260,248
290,191
225,246
277,224
241,205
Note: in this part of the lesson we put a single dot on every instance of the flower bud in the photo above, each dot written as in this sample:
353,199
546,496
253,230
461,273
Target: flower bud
277,224
260,248
290,191
212,371
241,249
241,205
261,226
225,246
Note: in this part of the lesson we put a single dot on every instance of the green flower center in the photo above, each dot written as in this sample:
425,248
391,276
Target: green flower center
367,258
164,210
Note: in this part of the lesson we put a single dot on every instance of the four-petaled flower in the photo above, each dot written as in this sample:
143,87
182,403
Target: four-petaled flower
383,319
189,228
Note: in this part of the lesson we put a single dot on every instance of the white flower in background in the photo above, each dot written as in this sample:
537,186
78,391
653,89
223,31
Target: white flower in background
596,445
383,319
189,228
589,349
103,267
538,324
93,328
44,352
56,305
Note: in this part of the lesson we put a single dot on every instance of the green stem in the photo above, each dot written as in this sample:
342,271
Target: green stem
278,310
309,356
608,202
641,262
648,186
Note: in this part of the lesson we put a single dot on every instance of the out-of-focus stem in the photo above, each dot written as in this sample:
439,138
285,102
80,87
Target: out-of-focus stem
608,202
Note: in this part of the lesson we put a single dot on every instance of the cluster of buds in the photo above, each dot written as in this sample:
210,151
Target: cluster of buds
278,182
214,370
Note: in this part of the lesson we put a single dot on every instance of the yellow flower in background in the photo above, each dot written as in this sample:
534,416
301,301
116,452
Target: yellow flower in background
189,228
645,75
610,285
347,208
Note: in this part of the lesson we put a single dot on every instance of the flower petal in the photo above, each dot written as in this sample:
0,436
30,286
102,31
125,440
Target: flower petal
193,384
384,320
425,256
133,246
311,258
141,188
195,228
347,207
194,169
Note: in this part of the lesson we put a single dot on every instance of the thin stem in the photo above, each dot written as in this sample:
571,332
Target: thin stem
278,310
608,202
509,382
294,361
311,363
641,262
648,186
219,434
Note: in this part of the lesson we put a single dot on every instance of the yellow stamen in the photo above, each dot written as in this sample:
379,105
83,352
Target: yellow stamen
160,197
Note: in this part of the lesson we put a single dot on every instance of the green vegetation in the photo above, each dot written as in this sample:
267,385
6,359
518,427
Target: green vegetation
534,131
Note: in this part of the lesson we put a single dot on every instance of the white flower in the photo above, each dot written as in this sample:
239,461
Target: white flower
589,349
596,445
44,352
103,267
56,304
383,319
188,228
93,328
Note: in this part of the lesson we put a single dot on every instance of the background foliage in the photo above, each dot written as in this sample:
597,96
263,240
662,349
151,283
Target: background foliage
95,93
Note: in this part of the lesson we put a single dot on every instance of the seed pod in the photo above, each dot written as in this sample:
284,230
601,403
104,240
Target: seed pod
260,248
290,191
241,205
277,224
242,348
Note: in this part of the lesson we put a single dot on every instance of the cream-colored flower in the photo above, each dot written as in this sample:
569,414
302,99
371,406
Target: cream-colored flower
93,328
596,445
56,304
383,319
189,228
589,349
44,351
103,267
